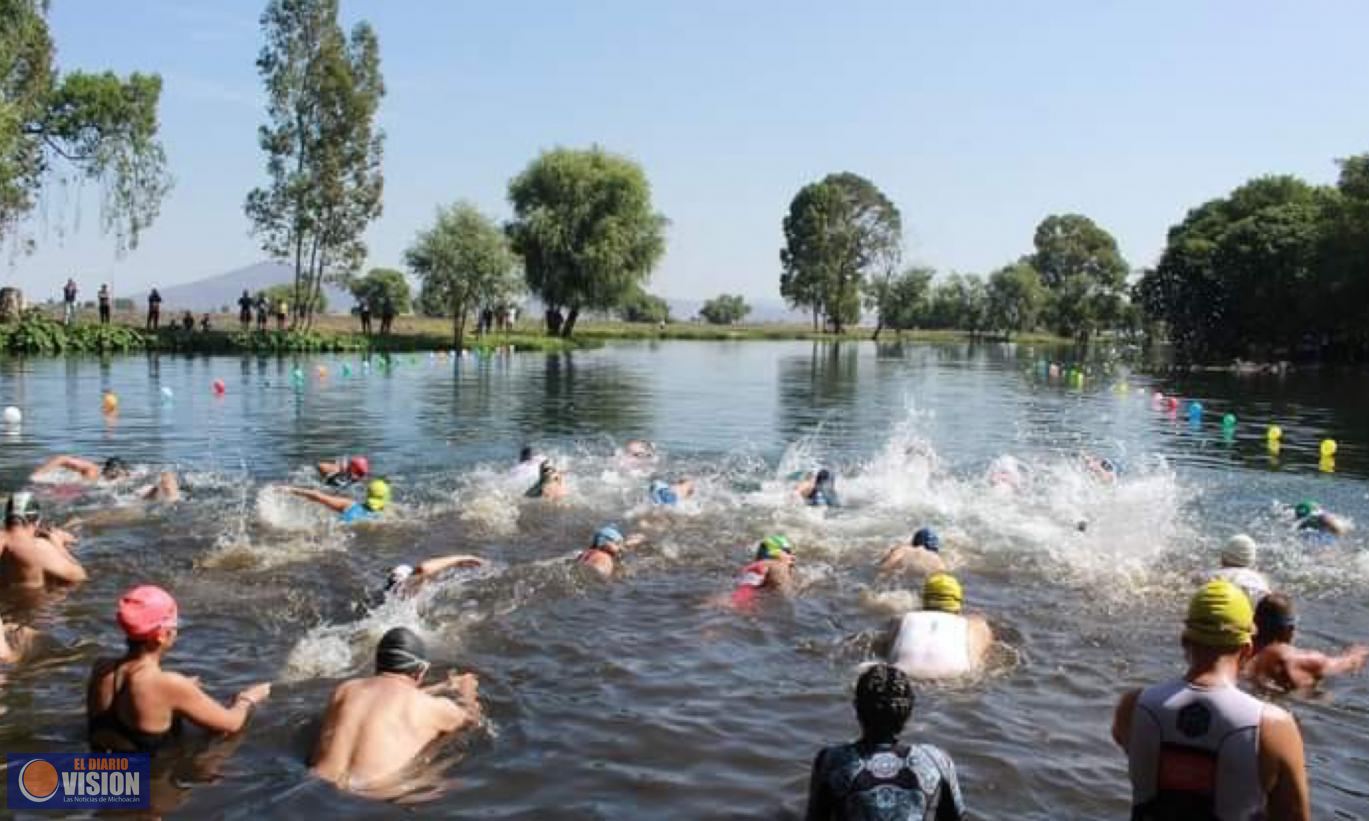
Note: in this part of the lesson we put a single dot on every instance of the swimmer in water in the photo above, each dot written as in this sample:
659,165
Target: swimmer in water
1197,746
772,569
349,510
15,642
1311,518
1102,470
1238,567
1278,665
404,580
344,471
938,641
165,489
877,777
922,557
1005,473
819,489
375,726
527,468
551,484
133,705
639,449
668,494
606,549
33,556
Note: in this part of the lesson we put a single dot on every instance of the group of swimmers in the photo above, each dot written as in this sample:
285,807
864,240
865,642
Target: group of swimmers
1197,746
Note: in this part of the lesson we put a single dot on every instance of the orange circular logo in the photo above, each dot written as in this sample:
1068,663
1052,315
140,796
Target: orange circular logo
38,780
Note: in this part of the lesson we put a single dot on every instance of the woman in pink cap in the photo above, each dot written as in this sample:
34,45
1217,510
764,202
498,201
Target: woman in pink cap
133,705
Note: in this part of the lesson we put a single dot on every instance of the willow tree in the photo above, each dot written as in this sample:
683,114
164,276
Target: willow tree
464,262
97,127
323,150
839,231
584,226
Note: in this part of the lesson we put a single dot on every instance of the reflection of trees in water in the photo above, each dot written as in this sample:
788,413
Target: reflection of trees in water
813,386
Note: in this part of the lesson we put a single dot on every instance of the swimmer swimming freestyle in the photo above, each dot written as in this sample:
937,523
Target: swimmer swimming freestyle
349,510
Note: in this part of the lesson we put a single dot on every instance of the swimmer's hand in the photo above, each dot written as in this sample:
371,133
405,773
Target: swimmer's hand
255,694
634,541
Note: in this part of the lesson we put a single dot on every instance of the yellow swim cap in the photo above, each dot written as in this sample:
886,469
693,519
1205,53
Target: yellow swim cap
942,592
1219,615
377,494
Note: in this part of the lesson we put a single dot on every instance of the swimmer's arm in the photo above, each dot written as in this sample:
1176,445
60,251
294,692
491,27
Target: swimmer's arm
1282,763
185,697
1121,719
337,503
1305,667
430,567
820,805
61,566
85,467
980,638
452,714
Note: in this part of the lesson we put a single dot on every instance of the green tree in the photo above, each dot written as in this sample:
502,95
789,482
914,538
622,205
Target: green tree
100,127
323,150
900,302
838,232
640,306
725,309
960,302
1015,298
380,283
1081,267
584,226
286,291
464,262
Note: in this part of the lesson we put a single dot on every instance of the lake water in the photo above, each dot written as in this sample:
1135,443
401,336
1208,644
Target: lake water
637,699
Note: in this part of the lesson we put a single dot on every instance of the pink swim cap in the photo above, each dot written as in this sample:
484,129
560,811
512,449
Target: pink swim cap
145,610
358,466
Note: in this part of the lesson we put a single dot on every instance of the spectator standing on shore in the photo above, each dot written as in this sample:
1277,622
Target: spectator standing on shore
387,315
204,324
69,301
154,310
364,311
282,310
263,308
188,322
245,310
103,296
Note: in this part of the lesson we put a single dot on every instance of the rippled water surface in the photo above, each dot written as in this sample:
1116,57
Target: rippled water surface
638,698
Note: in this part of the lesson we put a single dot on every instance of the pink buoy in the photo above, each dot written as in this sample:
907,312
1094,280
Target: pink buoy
219,387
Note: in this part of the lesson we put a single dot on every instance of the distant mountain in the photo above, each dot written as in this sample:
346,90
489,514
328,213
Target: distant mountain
212,293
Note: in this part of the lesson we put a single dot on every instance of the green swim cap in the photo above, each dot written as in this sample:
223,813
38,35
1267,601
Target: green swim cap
1306,508
772,547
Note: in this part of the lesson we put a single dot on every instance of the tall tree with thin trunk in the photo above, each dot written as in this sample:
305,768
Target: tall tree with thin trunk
323,150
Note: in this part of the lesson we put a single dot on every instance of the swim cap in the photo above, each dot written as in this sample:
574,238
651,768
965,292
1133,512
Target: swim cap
401,651
145,610
22,509
377,494
398,574
1239,551
824,476
772,547
607,535
926,537
358,466
1306,508
114,466
1219,615
942,592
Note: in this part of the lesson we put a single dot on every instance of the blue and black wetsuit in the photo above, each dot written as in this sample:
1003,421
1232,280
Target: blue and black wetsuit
884,782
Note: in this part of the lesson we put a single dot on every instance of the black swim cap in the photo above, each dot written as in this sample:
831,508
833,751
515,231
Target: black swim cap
525,455
401,651
824,475
884,700
114,466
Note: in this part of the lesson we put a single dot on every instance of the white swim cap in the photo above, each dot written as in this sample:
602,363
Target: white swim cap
1239,551
398,574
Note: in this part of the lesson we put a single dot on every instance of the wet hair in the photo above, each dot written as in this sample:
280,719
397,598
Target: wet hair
1273,615
401,651
114,467
525,454
884,701
824,477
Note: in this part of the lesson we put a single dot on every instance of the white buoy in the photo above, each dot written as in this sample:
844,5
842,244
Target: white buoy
13,415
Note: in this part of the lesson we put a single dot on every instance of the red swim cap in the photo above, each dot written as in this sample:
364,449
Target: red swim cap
358,466
146,609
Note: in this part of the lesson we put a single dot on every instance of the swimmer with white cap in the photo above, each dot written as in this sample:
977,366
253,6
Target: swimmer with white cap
1238,567
32,555
921,556
938,641
375,726
403,580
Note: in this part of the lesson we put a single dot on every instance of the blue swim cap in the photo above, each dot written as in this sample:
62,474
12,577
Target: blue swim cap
926,537
607,534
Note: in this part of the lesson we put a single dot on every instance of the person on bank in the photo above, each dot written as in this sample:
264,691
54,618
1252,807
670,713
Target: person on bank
921,557
878,777
135,706
348,509
375,726
819,490
31,555
1198,747
344,470
1278,665
938,642
1238,567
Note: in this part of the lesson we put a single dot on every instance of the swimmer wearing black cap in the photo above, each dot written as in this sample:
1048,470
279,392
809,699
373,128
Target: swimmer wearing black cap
376,725
114,469
819,489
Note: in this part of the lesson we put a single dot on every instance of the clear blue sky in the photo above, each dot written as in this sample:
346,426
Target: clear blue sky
976,119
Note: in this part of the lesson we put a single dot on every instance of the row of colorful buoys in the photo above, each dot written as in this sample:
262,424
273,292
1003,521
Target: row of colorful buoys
1273,434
